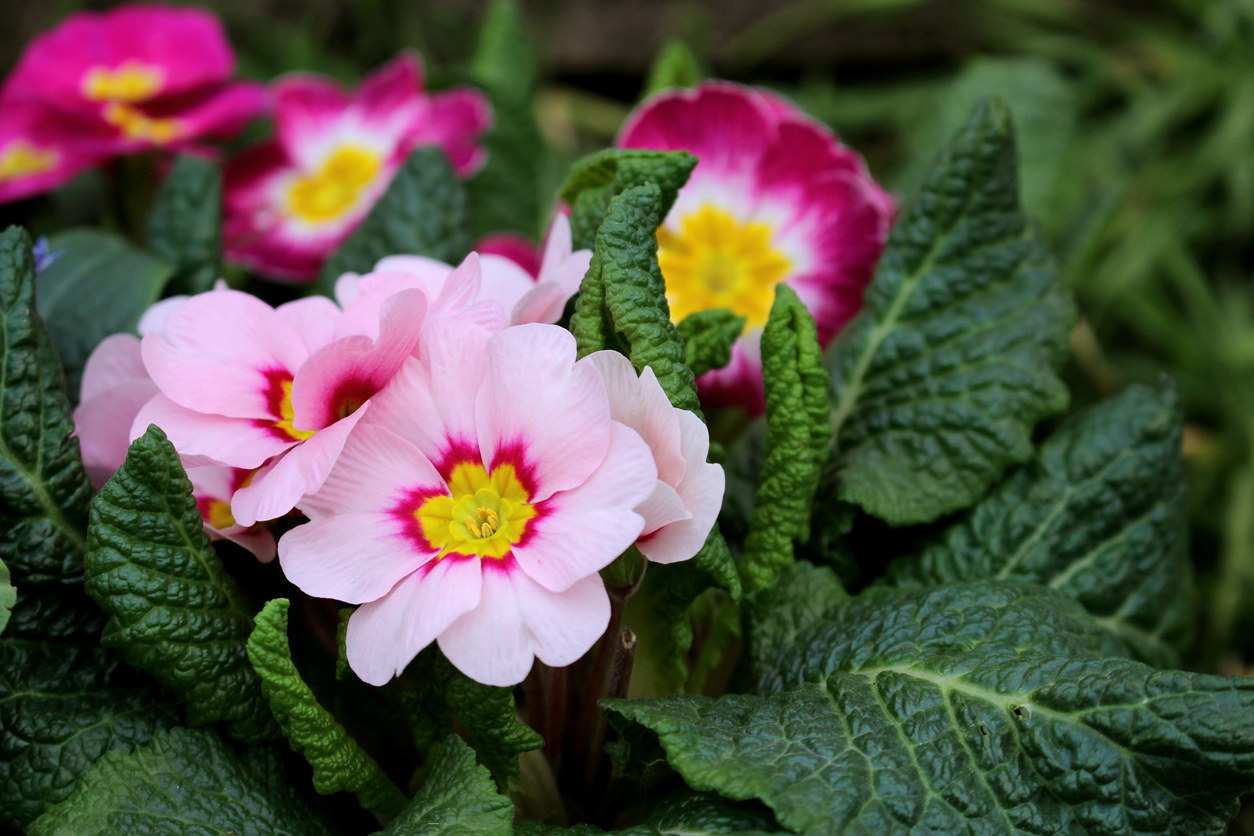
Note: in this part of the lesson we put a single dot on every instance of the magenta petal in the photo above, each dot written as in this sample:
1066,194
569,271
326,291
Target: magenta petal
491,644
203,439
394,86
226,112
385,635
513,246
40,150
455,120
307,107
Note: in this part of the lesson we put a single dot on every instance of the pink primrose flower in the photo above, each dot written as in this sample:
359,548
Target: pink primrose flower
293,200
213,489
38,151
135,77
279,390
524,299
686,499
774,198
474,506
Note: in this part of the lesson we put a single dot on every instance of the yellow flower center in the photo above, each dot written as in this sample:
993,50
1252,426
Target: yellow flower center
21,159
287,414
484,514
131,82
218,514
136,125
336,187
714,261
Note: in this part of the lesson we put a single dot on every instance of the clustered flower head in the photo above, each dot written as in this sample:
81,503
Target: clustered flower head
465,477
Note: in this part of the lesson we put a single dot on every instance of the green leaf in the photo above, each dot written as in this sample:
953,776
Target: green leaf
674,66
101,285
184,782
797,436
940,379
458,799
622,301
339,764
185,223
708,338
597,179
775,616
682,812
968,708
505,193
8,596
1099,514
44,490
423,212
173,611
62,706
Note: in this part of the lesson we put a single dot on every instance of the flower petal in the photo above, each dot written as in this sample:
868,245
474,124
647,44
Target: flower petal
313,318
117,359
103,423
639,402
349,557
203,439
456,120
491,644
563,626
702,494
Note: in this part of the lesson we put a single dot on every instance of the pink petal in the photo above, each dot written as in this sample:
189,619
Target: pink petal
42,150
702,493
385,635
504,282
394,86
203,439
117,359
217,352
259,541
103,423
153,320
540,405
582,530
313,318
456,120
491,643
349,557
375,472
640,403
341,376
279,486
563,626
663,507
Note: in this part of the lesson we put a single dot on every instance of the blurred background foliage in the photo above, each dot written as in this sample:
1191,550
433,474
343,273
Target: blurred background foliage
1136,123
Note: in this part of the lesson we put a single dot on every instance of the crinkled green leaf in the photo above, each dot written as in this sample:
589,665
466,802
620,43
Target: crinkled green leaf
622,301
505,193
486,712
8,596
940,379
173,611
186,781
597,179
797,436
773,617
62,706
708,338
423,212
99,286
973,708
339,764
44,490
185,223
458,799
1099,514
684,812
674,66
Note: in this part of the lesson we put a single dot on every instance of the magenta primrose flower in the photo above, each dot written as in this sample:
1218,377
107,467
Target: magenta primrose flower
474,507
292,201
774,198
116,82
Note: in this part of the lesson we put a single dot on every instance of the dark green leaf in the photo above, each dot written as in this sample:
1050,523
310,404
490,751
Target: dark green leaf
1099,514
173,611
44,490
339,764
695,813
423,212
8,596
101,285
458,799
598,178
968,709
940,379
675,66
185,223
62,706
797,436
622,301
184,782
708,338
775,616
505,61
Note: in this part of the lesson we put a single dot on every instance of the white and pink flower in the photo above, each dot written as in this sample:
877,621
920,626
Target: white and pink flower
774,198
475,505
292,201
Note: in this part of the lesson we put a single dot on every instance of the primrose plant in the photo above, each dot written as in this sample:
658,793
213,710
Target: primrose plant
743,500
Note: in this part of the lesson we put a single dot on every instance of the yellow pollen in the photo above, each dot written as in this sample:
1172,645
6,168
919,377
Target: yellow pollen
715,261
336,188
482,515
287,415
131,82
21,159
136,125
219,514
